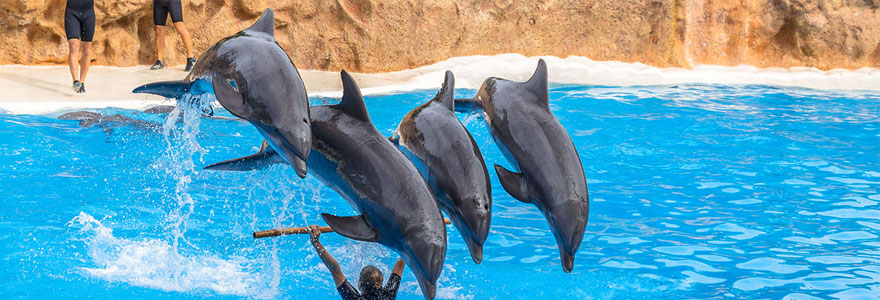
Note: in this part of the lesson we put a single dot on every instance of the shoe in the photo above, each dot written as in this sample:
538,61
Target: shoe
190,62
82,88
77,85
158,65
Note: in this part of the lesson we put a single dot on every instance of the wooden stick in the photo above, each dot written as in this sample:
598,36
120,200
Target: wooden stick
299,230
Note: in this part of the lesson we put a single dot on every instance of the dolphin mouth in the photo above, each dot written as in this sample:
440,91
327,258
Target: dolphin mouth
295,154
475,249
567,260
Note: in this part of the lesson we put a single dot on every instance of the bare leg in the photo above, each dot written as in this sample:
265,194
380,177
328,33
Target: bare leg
160,41
73,58
181,28
84,66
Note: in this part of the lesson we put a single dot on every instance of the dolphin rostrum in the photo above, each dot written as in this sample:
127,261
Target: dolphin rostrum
548,171
449,159
254,79
396,206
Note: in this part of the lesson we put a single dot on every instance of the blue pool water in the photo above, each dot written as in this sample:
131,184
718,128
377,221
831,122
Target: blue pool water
697,191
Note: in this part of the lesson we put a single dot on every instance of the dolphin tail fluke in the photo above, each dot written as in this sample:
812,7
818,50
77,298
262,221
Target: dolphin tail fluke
168,89
263,159
514,183
468,105
353,227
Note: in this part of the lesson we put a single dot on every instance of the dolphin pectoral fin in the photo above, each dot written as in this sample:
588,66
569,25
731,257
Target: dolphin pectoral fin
353,227
168,89
467,105
263,159
513,183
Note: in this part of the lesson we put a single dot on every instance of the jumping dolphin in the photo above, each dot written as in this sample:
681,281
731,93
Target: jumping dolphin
254,79
548,171
396,206
449,159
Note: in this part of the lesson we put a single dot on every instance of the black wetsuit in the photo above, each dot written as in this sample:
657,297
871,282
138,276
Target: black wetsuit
389,292
79,20
162,8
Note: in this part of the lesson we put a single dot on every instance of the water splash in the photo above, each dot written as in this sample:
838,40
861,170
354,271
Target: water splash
177,161
171,262
155,263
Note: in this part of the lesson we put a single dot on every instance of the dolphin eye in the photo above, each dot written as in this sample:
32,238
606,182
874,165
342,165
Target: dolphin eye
306,120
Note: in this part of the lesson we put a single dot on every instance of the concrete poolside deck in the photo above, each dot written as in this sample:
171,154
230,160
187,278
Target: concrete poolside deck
46,89
40,89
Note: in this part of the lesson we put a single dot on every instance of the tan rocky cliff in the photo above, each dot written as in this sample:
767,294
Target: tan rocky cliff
377,36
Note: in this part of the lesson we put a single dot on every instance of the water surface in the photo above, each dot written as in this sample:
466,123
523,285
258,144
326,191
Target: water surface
697,191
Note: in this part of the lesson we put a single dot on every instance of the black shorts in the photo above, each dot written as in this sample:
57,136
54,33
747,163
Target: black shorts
79,20
162,8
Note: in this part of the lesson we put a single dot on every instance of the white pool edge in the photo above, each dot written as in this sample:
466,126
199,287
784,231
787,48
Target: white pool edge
471,71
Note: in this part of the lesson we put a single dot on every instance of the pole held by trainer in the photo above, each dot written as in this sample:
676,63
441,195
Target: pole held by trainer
300,230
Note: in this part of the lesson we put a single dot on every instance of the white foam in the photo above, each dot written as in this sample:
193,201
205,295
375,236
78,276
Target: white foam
471,71
156,264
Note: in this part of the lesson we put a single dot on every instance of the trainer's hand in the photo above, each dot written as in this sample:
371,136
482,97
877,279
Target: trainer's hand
315,233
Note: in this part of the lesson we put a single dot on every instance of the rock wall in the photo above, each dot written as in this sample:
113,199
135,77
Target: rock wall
387,35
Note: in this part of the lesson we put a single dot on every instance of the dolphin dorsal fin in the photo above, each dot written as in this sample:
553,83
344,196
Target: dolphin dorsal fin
538,83
352,101
446,95
266,23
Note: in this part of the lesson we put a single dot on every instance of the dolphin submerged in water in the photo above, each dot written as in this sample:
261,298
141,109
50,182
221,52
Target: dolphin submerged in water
397,208
547,168
254,79
452,164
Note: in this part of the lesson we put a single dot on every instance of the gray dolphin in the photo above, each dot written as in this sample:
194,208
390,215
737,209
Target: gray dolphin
449,159
254,79
396,206
89,119
548,172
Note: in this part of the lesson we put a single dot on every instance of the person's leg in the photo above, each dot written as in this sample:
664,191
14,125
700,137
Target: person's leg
187,41
73,31
88,34
84,66
175,9
73,58
160,16
160,41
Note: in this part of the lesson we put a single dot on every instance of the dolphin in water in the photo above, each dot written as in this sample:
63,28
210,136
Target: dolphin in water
89,119
548,171
452,164
254,79
397,208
